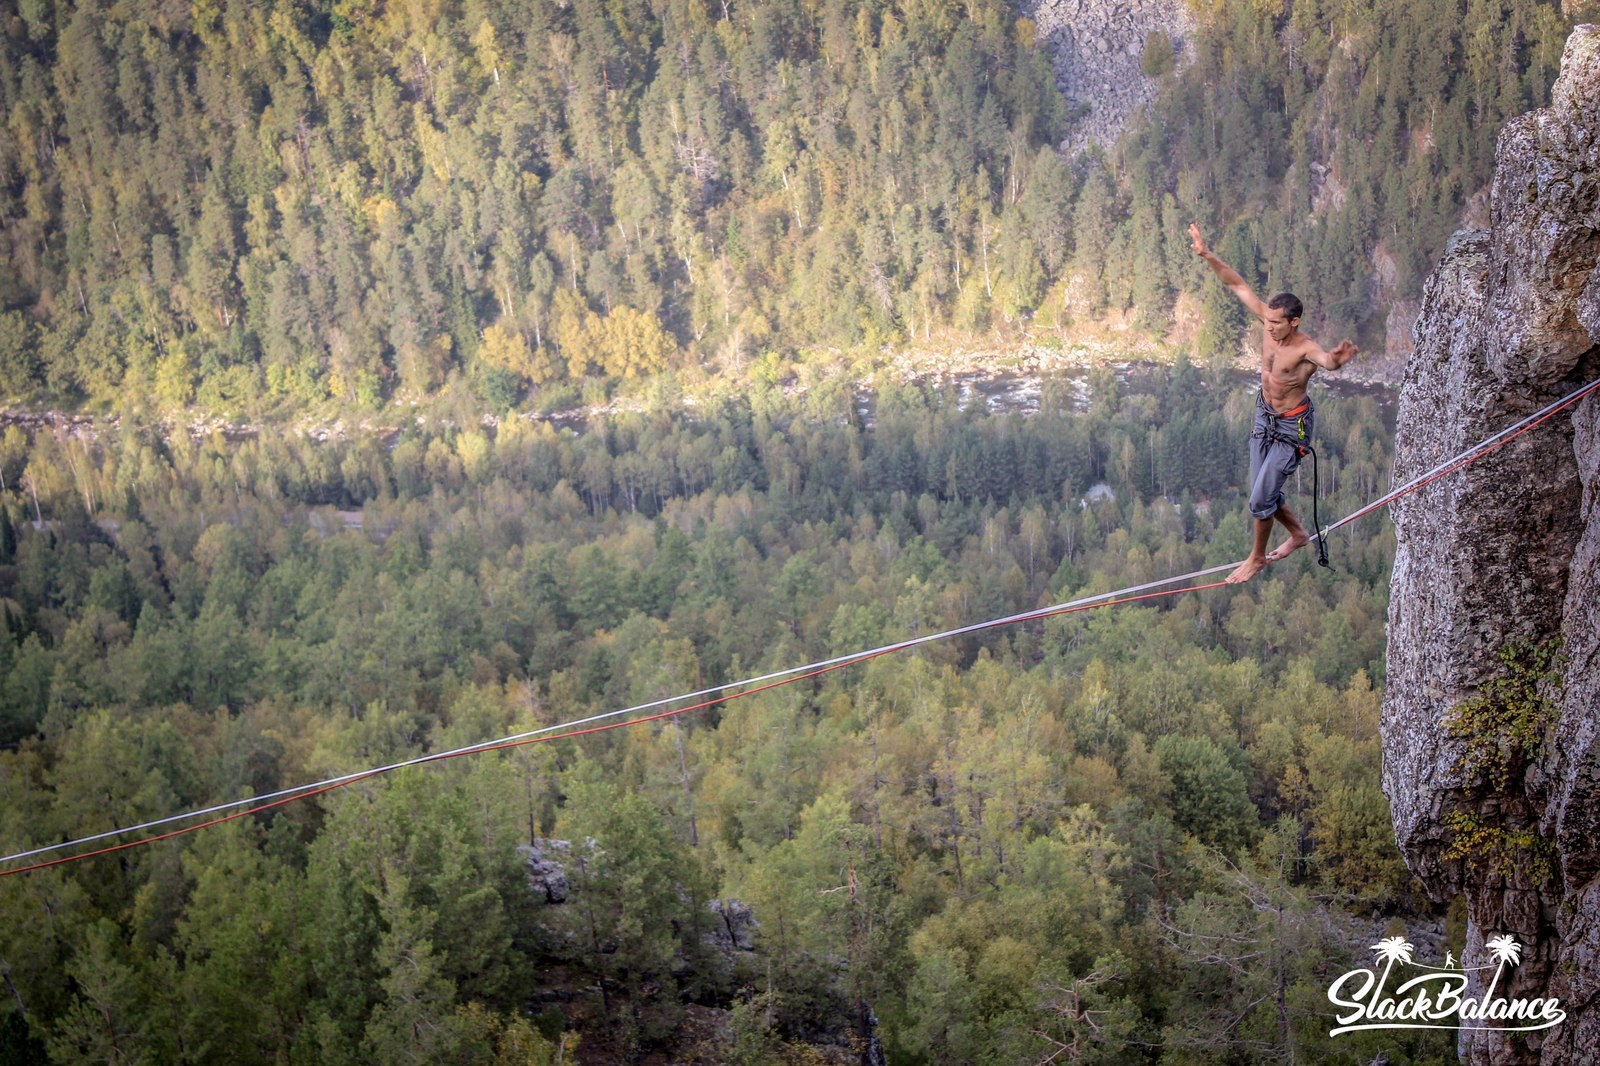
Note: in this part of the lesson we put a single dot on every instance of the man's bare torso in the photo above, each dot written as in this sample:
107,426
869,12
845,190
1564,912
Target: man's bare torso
1285,370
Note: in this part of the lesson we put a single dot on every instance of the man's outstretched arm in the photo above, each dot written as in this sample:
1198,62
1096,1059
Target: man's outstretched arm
1333,360
1229,276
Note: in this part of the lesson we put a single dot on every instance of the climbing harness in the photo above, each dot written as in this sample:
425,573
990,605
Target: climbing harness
1300,441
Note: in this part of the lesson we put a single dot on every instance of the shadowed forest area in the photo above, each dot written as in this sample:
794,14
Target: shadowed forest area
977,851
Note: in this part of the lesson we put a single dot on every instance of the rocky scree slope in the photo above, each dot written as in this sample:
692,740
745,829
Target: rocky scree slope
1097,47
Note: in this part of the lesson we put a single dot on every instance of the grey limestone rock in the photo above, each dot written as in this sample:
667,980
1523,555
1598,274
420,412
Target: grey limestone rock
547,876
1506,552
735,927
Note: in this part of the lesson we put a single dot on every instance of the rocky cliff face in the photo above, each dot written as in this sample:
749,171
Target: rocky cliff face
1506,554
1097,47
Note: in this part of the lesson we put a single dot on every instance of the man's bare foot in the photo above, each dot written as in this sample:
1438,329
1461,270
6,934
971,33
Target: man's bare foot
1294,543
1247,570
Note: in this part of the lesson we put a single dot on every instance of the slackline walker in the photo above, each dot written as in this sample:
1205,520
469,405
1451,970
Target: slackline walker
708,697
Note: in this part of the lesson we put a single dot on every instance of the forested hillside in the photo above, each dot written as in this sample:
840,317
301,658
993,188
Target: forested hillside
1340,144
972,843
262,205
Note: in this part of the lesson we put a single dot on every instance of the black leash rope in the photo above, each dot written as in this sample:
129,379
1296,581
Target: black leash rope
1316,522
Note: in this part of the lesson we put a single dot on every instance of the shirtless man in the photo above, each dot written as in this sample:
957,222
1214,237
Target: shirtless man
1288,359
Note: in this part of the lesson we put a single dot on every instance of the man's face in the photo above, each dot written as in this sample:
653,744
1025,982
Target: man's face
1279,325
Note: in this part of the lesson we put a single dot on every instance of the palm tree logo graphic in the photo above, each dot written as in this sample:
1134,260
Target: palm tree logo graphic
1389,951
1434,999
1503,949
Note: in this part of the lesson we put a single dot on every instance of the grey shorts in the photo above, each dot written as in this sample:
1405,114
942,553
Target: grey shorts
1273,459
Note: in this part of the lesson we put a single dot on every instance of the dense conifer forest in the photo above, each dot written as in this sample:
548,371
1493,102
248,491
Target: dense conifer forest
264,205
971,844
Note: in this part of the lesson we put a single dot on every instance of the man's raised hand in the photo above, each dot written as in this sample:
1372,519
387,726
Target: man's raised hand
1197,242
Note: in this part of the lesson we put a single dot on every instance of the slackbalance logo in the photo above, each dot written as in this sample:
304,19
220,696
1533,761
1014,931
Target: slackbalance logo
1433,999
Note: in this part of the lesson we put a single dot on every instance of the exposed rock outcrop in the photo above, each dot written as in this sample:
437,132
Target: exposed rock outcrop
736,927
1506,553
1097,47
547,872
732,931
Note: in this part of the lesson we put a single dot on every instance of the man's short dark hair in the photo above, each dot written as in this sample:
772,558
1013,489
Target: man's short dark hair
1288,303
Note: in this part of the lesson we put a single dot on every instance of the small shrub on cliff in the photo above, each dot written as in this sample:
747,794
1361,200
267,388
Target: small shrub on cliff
1157,57
1510,853
1505,726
